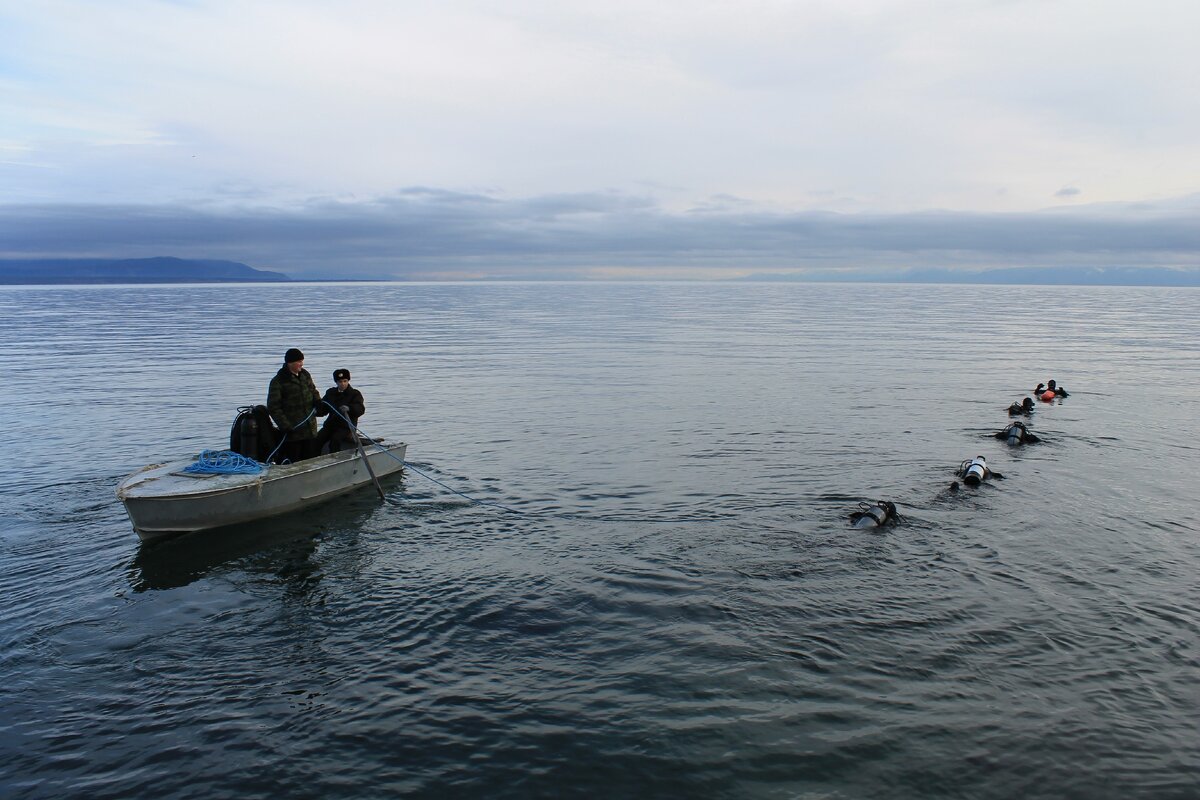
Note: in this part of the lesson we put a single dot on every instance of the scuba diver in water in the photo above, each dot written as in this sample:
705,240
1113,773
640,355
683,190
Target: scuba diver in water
875,515
1016,433
1049,391
975,471
1023,408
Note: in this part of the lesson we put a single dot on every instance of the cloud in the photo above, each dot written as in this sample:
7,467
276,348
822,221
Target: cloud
425,232
541,138
865,106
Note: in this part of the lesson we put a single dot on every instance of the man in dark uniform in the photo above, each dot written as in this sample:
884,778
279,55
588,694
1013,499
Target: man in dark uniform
293,401
345,401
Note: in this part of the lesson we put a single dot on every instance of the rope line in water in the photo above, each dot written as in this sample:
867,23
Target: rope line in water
389,454
223,462
501,506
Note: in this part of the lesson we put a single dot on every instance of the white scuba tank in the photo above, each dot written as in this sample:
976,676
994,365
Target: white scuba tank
975,472
872,517
875,515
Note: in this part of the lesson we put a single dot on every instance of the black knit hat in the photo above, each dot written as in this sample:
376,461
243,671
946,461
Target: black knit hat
292,355
338,374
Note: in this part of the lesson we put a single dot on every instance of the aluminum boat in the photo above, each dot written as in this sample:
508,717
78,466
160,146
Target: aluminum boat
163,500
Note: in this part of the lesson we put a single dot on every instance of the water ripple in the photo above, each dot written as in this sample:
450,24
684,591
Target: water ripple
672,603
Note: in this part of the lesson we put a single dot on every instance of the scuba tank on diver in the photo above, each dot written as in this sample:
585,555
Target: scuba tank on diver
875,515
1015,432
973,471
1022,408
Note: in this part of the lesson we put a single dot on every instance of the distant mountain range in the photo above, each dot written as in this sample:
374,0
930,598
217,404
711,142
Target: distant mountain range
1016,276
183,270
130,270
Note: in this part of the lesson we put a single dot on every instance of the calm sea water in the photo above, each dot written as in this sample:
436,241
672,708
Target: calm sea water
679,609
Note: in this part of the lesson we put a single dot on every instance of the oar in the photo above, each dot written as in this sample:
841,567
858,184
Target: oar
362,454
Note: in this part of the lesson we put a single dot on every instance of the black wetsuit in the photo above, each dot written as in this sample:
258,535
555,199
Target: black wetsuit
1024,408
1025,438
335,431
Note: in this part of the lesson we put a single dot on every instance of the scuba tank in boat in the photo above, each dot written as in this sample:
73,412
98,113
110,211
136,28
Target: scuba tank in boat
249,431
875,515
253,435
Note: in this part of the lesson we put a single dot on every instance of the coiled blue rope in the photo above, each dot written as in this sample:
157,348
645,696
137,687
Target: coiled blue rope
223,462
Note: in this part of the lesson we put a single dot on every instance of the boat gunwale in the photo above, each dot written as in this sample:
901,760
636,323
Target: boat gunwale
126,491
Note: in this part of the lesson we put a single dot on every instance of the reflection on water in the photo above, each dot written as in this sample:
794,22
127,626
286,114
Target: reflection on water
674,603
280,545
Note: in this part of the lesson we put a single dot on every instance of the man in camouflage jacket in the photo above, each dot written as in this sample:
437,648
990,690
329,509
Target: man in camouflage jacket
293,401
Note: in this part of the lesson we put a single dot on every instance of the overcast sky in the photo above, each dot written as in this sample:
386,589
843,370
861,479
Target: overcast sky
608,139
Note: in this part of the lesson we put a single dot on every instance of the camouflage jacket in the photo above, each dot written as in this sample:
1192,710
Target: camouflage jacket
290,399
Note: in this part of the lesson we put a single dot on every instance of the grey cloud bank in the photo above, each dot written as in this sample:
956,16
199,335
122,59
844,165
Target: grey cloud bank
431,234
593,140
880,106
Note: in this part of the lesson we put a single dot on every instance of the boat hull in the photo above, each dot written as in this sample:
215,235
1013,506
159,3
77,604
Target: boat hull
162,501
